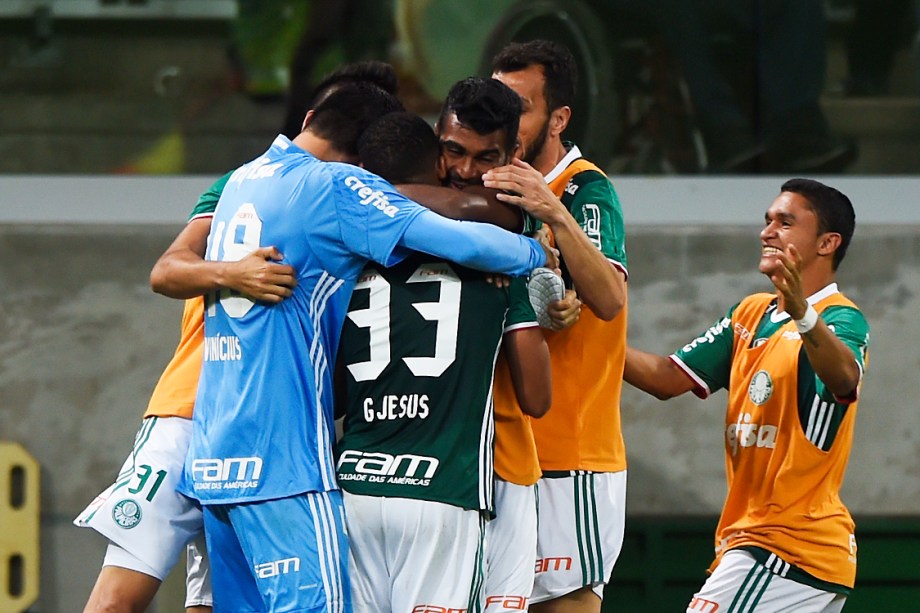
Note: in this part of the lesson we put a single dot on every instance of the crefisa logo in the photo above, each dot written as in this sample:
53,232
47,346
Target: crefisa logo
126,513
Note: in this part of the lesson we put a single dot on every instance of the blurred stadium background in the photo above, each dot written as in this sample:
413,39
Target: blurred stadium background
172,93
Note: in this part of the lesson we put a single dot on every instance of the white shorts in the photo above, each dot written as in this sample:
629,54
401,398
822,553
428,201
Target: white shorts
197,575
582,518
740,584
142,512
511,548
413,555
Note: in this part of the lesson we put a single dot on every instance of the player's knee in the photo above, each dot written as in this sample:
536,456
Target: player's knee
121,591
109,603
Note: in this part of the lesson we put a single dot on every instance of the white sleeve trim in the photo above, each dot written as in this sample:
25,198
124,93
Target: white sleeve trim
202,216
702,390
520,326
619,266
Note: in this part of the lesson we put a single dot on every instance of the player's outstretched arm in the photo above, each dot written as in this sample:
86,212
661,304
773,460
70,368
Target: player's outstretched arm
655,374
529,362
476,245
473,203
600,285
182,272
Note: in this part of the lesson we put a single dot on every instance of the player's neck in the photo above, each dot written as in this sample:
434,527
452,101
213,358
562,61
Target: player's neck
552,154
316,146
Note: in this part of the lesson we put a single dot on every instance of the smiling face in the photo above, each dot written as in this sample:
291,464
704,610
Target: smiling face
466,155
790,220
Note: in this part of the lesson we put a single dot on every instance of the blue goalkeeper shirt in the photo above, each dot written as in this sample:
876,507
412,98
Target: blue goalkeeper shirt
263,421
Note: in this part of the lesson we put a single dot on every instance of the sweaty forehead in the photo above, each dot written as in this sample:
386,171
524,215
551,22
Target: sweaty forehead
455,133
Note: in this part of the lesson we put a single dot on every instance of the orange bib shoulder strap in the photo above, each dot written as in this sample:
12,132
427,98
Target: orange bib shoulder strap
580,165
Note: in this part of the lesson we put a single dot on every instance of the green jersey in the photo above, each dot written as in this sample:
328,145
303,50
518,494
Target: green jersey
207,202
418,354
592,201
708,360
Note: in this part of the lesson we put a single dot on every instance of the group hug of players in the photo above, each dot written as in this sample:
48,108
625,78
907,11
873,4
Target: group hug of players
375,269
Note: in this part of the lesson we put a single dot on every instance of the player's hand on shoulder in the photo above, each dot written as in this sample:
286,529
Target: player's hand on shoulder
261,277
498,280
524,186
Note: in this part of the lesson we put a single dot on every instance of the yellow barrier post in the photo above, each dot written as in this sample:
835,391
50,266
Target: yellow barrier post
19,527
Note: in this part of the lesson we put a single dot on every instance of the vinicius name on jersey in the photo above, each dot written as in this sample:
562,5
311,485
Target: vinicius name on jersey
395,406
222,349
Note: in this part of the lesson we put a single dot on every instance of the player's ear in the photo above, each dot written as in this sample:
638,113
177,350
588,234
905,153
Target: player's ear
440,168
828,243
307,120
559,120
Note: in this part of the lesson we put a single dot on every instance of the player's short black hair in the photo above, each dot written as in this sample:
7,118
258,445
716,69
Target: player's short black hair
343,115
379,73
832,208
559,68
400,147
485,105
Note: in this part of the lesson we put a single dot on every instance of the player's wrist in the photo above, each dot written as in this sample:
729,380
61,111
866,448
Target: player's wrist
558,215
808,321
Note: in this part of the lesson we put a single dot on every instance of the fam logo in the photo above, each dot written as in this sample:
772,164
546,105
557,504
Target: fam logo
507,602
378,467
592,223
126,513
761,387
226,473
267,570
545,565
702,605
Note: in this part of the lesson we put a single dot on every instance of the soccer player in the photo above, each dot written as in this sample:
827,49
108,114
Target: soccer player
582,458
260,458
126,583
416,457
470,147
792,362
146,521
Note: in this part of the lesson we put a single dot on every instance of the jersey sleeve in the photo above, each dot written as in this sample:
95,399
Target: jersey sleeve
373,216
473,244
207,202
851,327
595,206
520,312
707,359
